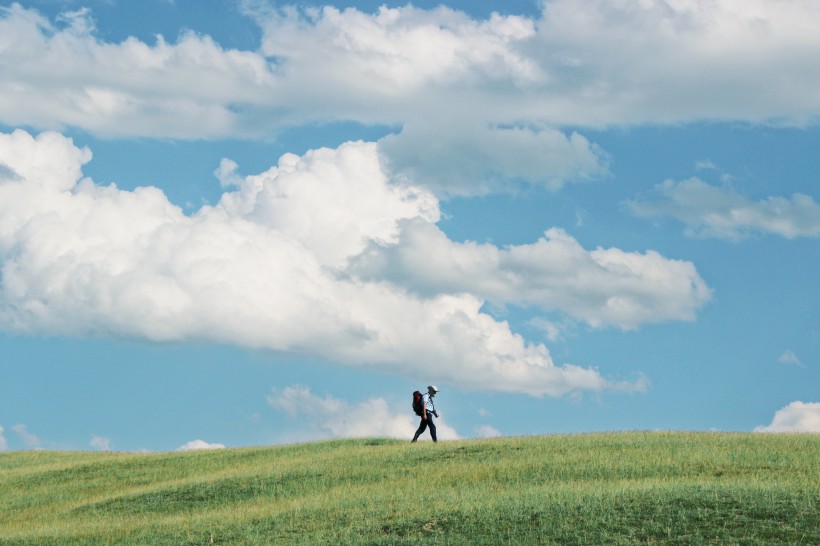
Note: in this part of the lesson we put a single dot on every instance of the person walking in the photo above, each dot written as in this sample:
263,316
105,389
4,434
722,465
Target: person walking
428,410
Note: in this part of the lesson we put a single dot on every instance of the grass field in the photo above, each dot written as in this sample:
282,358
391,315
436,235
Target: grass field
624,488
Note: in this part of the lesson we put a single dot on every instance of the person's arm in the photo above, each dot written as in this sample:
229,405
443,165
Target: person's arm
424,411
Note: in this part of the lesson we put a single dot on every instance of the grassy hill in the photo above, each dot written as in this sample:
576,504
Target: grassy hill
625,488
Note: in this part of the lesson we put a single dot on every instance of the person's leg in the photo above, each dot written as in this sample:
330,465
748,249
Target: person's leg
421,429
432,425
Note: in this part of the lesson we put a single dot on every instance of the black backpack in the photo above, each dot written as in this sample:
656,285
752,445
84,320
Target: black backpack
418,404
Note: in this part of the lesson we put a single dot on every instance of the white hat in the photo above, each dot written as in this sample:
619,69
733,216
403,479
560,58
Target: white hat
432,389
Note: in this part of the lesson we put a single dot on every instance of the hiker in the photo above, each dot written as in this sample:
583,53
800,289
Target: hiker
426,409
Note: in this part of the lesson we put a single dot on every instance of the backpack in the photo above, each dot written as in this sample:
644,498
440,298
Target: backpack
418,404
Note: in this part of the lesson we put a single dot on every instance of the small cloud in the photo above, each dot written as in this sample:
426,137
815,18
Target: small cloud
3,444
328,417
551,330
29,440
486,431
796,417
722,212
788,357
580,217
195,445
484,412
705,164
100,443
79,21
227,175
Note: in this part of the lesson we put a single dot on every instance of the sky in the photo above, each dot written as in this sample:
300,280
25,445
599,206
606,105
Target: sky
245,222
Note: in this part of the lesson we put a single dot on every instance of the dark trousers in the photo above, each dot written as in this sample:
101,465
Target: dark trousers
423,426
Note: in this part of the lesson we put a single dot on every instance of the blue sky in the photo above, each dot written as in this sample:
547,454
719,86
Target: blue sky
249,223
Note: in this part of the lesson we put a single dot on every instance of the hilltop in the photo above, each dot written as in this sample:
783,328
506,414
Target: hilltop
619,488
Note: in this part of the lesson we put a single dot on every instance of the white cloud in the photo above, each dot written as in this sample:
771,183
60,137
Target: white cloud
796,417
333,202
472,158
486,95
79,21
395,56
660,61
100,443
587,61
583,62
29,440
602,286
328,417
486,431
268,267
551,330
3,443
788,357
722,212
131,88
194,445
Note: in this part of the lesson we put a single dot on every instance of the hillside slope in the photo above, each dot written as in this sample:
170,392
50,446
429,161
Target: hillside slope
624,488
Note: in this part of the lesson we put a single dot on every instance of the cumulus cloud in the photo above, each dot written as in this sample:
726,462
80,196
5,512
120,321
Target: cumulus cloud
195,445
277,264
100,443
59,74
722,212
601,287
329,417
592,60
659,61
29,440
3,443
796,417
472,158
489,95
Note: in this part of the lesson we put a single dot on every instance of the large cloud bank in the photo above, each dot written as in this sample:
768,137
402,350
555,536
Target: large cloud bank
581,62
318,255
493,94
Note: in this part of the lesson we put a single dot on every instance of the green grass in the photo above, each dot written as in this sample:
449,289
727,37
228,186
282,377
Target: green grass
624,488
